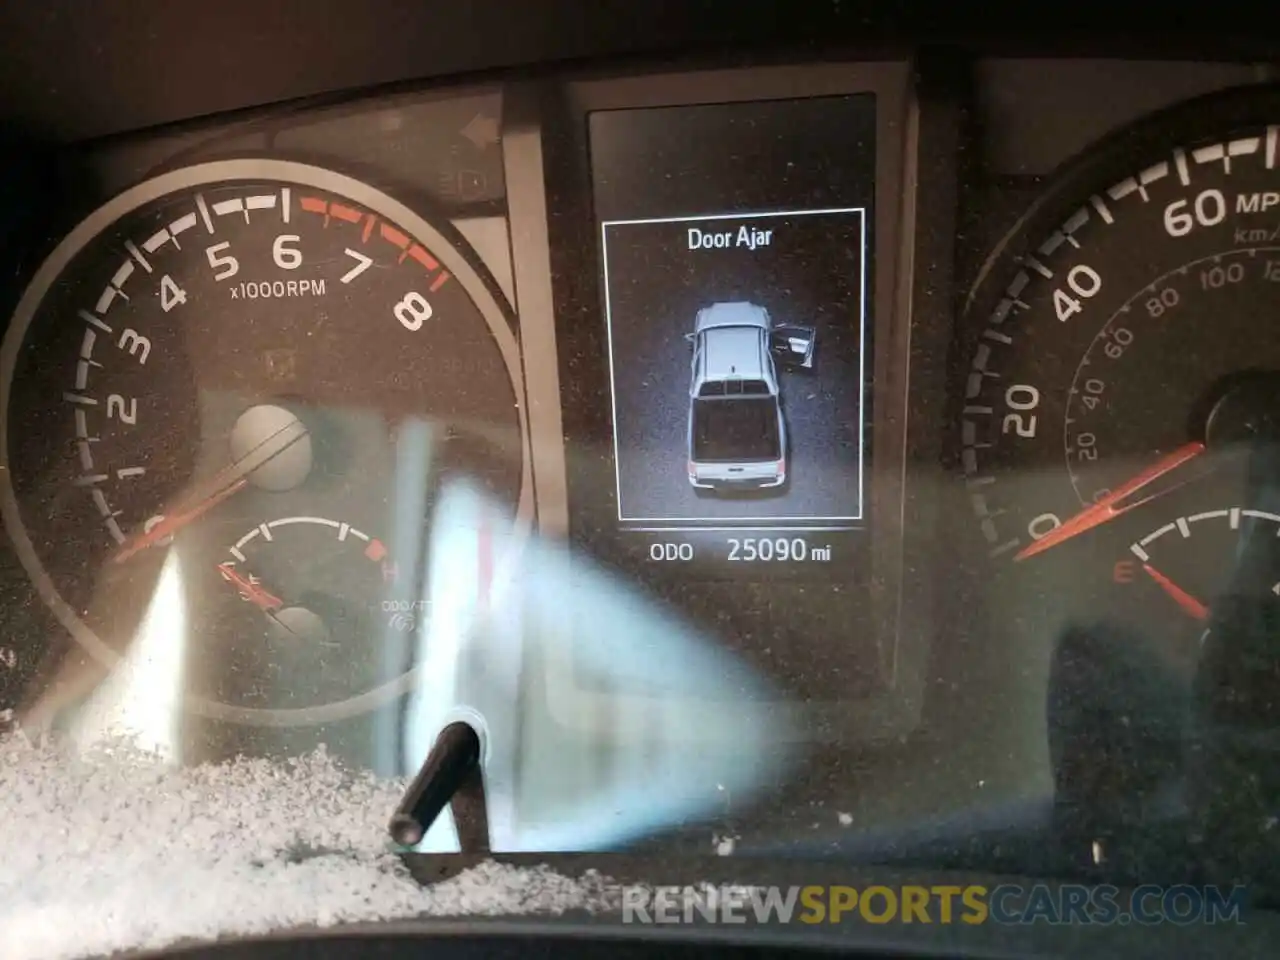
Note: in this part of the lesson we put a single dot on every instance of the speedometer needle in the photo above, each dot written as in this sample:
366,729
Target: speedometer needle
1119,501
1189,604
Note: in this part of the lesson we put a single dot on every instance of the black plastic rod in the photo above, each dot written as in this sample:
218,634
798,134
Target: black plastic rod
454,761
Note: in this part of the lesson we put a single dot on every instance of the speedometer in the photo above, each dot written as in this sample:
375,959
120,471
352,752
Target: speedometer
258,370
1120,440
1127,311
1122,400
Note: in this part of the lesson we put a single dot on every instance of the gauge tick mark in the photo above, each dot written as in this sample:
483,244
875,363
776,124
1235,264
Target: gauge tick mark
1180,164
93,321
203,210
137,256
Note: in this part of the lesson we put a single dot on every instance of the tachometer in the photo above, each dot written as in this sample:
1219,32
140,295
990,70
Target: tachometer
260,368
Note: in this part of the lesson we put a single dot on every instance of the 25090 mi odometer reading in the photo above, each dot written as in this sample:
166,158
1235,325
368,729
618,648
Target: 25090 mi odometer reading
776,550
719,547
1127,326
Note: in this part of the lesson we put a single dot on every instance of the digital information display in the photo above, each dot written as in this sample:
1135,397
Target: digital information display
735,272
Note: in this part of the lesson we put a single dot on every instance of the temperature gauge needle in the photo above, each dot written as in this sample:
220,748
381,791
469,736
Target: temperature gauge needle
1119,501
250,588
1189,604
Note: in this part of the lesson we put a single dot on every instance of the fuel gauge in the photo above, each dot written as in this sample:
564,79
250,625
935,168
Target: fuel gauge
1190,561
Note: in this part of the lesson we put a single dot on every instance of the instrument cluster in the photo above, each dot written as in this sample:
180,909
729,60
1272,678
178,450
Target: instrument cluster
885,384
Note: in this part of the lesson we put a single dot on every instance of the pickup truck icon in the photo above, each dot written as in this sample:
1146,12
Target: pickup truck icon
737,430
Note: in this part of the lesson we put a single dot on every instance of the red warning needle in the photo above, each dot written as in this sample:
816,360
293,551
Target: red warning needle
1189,604
1114,504
250,588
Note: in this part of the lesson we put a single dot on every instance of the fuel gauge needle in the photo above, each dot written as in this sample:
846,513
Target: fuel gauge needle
1189,604
1118,502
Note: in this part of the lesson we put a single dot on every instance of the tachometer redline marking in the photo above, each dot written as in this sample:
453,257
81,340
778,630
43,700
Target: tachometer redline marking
315,205
401,241
424,258
345,214
393,236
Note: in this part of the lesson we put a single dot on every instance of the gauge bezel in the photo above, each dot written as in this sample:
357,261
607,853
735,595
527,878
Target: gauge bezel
230,171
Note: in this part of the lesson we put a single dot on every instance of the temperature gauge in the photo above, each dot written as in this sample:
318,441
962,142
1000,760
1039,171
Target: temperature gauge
308,594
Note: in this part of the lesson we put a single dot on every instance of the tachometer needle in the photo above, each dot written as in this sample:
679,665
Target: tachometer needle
1189,604
250,588
176,521
1114,504
209,494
